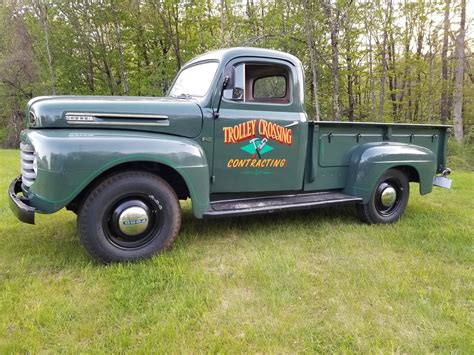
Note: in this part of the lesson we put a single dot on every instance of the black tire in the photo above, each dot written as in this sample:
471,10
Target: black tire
132,199
379,211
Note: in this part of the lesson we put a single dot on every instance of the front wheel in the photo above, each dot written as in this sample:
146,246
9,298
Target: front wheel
388,200
129,216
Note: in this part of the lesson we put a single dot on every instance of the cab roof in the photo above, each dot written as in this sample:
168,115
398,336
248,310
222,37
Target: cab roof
226,54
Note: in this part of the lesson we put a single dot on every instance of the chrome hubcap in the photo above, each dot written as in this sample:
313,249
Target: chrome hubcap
133,221
388,196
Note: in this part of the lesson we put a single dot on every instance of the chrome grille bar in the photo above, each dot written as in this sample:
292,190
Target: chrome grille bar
27,164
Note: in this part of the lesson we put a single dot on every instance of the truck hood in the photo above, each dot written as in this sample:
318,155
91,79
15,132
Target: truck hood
182,117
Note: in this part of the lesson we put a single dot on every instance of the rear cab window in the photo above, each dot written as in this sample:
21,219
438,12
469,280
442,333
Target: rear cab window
269,87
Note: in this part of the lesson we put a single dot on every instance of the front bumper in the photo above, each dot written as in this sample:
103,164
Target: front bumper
19,205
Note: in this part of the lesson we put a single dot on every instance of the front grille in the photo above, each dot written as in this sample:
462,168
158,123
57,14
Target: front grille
28,170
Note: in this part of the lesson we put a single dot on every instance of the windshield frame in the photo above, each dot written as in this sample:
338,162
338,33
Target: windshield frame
193,65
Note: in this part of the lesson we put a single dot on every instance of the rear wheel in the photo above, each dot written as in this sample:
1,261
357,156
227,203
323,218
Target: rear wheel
388,200
129,216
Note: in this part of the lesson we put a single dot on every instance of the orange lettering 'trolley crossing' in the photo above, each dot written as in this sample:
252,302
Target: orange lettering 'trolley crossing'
248,130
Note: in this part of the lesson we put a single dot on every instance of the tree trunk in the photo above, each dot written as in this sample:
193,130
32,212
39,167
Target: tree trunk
42,12
222,22
177,45
18,74
99,31
118,37
406,85
90,73
372,80
359,90
14,126
171,29
459,81
384,73
350,82
50,57
392,76
335,70
388,17
332,15
335,73
429,107
416,113
444,111
312,56
141,35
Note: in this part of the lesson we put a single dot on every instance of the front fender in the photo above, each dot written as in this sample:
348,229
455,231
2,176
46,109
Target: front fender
68,160
369,161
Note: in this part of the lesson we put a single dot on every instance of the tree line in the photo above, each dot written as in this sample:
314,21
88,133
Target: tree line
364,60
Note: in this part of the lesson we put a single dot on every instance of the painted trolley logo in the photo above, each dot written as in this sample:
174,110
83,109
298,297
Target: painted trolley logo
259,135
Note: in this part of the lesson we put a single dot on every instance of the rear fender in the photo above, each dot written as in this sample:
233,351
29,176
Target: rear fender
369,161
69,160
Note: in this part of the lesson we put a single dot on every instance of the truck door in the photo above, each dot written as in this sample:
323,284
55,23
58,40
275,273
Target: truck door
257,137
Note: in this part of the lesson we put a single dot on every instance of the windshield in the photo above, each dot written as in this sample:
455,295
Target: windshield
194,81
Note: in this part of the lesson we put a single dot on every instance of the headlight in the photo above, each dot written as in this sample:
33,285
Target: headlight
32,118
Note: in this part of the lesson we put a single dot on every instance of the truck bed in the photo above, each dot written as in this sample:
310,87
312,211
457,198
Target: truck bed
331,143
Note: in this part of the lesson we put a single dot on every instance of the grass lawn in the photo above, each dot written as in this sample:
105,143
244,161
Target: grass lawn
303,281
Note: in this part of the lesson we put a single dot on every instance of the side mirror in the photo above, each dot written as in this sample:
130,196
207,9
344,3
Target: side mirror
235,88
228,94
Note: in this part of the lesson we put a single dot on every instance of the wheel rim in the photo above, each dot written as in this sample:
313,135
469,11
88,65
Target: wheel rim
388,197
132,221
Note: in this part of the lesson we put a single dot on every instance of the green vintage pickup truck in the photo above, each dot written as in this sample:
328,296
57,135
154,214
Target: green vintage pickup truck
232,135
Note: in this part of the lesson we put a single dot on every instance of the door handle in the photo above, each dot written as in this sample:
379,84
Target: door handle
294,123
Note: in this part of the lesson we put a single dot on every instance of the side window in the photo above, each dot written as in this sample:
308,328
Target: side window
258,82
269,87
268,83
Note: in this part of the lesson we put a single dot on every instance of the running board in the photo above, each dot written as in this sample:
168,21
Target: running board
270,204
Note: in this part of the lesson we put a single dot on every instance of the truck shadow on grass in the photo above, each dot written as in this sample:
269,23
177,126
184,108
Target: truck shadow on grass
57,244
275,223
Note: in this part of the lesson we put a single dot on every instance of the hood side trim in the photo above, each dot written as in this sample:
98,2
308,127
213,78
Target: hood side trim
115,115
88,118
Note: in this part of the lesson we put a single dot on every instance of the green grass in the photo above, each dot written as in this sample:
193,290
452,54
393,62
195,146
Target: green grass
461,156
304,281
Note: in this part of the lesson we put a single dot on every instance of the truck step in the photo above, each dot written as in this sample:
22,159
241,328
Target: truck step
270,204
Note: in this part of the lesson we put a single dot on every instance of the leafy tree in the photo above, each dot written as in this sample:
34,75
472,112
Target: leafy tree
364,60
